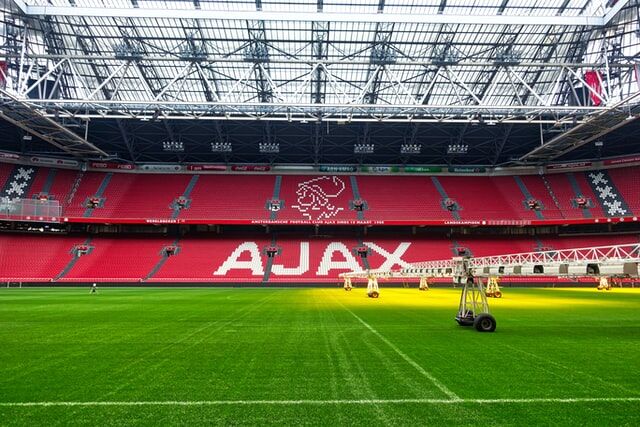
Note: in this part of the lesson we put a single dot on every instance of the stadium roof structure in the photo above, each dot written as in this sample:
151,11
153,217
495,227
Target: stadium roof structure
533,80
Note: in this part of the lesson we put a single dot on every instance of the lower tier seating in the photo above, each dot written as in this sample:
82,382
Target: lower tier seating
296,258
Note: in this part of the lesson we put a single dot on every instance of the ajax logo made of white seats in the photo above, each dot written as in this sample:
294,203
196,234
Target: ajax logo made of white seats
336,256
316,197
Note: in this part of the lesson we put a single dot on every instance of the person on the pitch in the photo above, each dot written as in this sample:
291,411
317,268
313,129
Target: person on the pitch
94,289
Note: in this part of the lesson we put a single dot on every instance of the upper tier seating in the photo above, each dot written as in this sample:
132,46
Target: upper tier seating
61,183
485,198
5,171
536,187
566,194
229,197
401,198
129,195
87,189
321,197
341,198
627,181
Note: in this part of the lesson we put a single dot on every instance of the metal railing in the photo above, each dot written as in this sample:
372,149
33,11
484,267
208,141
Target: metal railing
30,209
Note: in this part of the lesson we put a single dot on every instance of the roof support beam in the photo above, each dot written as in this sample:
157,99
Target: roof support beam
381,54
501,143
320,42
129,143
503,6
259,15
258,52
34,121
593,128
399,61
614,11
21,5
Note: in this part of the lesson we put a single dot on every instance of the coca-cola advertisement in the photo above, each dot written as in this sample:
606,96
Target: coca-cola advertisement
250,168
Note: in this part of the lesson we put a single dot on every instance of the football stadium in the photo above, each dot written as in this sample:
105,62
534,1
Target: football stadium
320,212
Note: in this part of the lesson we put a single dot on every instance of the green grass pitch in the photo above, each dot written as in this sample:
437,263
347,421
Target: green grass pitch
316,357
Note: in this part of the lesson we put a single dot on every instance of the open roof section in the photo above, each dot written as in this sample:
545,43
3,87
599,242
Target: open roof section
567,12
423,7
504,62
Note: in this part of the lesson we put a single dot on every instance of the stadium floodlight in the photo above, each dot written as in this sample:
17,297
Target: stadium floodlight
410,148
269,147
363,148
173,146
221,147
505,55
193,53
129,50
457,148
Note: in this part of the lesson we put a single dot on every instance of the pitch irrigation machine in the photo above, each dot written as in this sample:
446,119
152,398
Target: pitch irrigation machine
606,263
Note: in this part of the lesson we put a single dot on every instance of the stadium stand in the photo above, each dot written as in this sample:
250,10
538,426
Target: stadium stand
40,181
230,197
628,183
62,185
33,258
567,190
536,187
57,184
328,197
484,199
5,171
88,188
314,259
322,197
483,246
141,196
568,242
581,180
117,260
513,194
243,259
387,197
203,260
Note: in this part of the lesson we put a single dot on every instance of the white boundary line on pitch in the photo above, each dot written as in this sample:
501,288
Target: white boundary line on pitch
443,388
325,402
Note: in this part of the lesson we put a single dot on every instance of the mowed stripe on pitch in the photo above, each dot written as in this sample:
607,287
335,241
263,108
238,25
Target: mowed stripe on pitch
443,388
566,400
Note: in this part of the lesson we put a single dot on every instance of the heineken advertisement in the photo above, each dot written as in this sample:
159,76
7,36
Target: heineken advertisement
380,169
462,169
422,169
337,168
